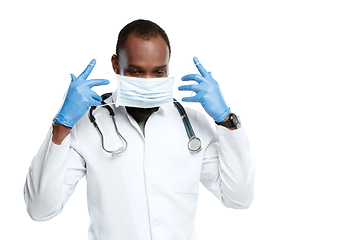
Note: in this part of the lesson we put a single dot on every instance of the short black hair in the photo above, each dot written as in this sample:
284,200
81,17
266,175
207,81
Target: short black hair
144,29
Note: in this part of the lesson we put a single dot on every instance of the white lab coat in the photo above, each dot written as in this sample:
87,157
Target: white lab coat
150,191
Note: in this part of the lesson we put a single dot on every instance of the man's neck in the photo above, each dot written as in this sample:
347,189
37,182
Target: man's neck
141,115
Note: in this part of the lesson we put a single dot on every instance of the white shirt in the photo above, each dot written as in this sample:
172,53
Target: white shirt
150,191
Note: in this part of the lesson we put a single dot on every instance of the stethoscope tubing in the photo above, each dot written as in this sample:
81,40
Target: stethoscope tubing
194,143
185,119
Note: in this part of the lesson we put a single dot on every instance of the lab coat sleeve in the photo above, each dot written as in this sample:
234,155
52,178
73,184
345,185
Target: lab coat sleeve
51,179
228,168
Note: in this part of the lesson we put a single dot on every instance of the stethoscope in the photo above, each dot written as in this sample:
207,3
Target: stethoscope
194,143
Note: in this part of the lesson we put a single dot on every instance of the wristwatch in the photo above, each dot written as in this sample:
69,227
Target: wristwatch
231,122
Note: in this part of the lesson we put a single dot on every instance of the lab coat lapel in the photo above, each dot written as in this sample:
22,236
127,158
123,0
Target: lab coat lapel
129,117
155,123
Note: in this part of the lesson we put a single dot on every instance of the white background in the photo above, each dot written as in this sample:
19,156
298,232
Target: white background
290,69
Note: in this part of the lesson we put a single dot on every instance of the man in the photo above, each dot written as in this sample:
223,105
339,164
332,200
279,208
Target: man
149,191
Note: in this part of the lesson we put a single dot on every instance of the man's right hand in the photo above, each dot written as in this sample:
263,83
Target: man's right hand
79,97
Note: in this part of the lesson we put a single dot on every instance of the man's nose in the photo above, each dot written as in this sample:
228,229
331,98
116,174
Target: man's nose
148,75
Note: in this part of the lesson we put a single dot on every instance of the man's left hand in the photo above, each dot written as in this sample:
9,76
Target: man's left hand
207,93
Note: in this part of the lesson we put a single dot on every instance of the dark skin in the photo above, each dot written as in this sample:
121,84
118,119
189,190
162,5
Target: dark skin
144,59
139,58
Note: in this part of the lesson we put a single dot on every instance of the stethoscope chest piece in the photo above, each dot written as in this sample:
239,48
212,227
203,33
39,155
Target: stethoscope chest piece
194,144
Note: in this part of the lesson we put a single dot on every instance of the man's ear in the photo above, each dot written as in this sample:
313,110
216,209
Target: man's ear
115,63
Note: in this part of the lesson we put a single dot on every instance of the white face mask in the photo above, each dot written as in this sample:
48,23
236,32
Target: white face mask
144,92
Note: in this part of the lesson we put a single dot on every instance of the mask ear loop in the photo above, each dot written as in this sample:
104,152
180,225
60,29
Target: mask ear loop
103,70
186,69
106,104
115,76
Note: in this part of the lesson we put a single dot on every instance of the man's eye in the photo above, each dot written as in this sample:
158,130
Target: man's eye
160,73
134,72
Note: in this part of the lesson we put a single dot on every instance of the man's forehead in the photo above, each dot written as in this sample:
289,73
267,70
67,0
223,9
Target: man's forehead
138,51
140,67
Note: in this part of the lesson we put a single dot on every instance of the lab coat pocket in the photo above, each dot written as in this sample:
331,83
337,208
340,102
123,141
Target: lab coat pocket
186,169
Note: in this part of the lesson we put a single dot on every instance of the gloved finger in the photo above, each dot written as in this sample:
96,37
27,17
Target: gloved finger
194,77
95,96
73,78
200,67
192,87
88,69
95,103
97,82
190,99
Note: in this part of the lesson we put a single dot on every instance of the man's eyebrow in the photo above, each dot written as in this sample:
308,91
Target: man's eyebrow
158,67
164,66
134,66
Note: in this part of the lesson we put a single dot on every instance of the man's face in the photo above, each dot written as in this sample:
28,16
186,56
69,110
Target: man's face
142,58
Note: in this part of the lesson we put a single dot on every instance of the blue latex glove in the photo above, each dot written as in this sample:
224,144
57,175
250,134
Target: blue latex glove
79,97
207,93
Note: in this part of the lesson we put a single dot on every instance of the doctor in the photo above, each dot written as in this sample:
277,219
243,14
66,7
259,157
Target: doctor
150,191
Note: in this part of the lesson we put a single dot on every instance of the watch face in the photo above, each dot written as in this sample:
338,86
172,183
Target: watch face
234,119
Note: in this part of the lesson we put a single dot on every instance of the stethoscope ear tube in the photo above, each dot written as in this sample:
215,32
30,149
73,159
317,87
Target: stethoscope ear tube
194,143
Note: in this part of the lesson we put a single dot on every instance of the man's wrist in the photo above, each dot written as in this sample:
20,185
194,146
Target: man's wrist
59,133
231,122
222,116
227,118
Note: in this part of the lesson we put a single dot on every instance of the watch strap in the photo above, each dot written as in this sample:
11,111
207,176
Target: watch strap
230,122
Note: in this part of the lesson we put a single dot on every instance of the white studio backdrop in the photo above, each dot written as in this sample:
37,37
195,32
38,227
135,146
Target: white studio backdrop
290,69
